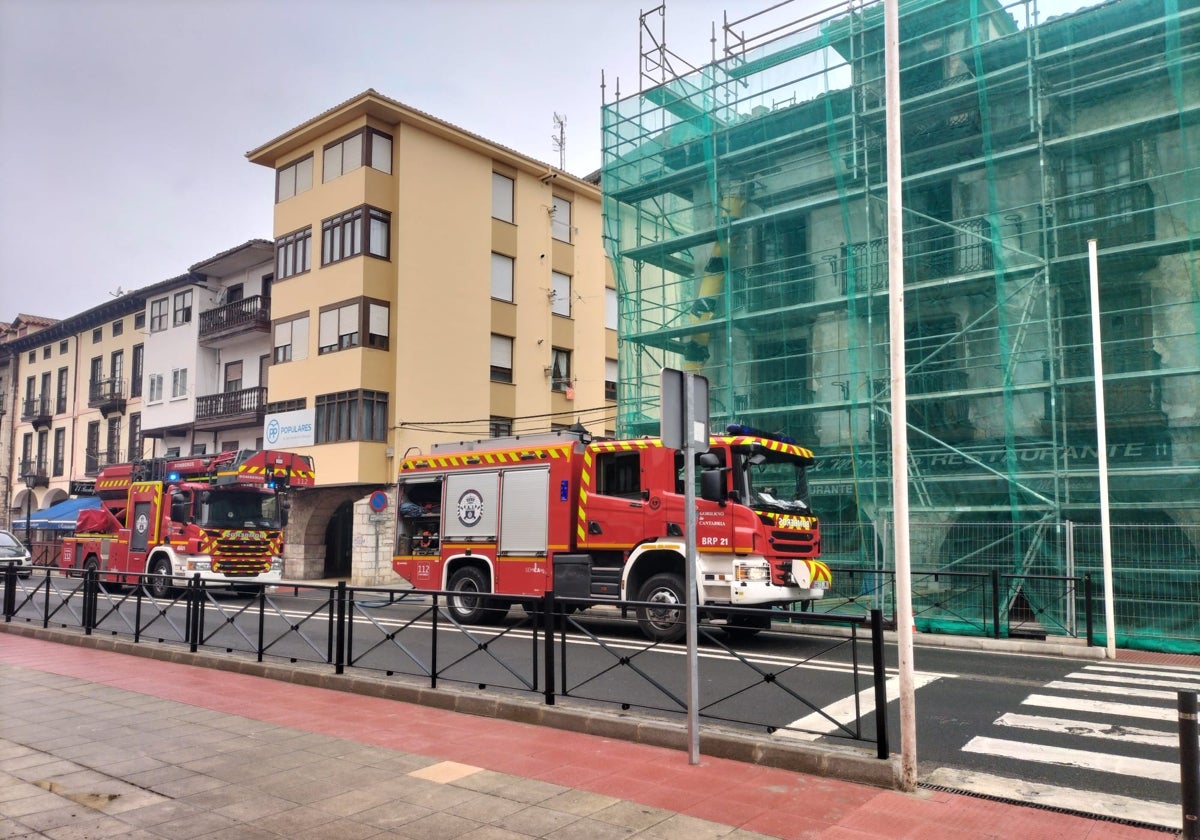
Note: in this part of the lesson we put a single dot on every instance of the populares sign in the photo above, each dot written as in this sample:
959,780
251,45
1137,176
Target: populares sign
289,429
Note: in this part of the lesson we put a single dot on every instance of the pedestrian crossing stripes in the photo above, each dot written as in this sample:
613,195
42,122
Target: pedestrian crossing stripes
1106,719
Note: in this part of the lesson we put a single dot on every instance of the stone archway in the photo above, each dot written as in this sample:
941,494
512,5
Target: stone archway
308,522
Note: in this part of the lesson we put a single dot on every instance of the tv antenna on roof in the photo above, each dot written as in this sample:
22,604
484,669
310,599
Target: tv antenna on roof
559,140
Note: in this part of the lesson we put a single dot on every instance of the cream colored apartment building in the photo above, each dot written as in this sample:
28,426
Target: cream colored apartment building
429,286
77,402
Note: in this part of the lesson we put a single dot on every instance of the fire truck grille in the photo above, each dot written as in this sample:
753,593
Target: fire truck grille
795,543
241,557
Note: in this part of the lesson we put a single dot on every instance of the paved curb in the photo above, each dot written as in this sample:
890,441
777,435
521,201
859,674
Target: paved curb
819,760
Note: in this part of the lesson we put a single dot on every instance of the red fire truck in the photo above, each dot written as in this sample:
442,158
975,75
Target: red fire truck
605,519
220,516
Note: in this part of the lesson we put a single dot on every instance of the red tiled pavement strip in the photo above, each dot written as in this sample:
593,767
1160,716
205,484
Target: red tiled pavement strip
769,801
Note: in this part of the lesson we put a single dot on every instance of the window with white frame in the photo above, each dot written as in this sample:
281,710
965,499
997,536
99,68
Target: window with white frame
610,379
502,358
293,253
502,277
365,147
179,377
291,340
361,230
560,227
502,197
560,294
560,369
610,309
293,179
154,390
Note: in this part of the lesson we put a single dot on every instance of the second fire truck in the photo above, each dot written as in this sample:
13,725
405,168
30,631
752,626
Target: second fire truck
219,516
605,519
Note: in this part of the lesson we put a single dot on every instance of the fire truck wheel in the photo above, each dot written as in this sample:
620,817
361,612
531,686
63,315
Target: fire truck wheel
159,584
663,622
467,603
91,563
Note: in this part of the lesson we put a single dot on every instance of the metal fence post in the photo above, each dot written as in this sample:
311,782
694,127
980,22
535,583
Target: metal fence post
433,643
10,591
1189,765
339,646
196,608
995,603
879,672
548,608
90,585
262,619
1087,606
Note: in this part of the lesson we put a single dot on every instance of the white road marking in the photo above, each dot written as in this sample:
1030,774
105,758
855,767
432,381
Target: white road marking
1089,729
1124,691
1163,771
1052,796
1100,707
1124,679
843,711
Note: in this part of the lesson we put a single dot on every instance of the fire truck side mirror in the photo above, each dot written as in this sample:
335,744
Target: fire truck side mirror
712,486
281,479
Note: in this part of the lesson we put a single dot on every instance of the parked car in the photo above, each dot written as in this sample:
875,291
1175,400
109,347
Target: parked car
12,550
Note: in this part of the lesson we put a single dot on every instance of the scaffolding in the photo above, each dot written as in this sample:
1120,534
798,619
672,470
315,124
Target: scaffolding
745,216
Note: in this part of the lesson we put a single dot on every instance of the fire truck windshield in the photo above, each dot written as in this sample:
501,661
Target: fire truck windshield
238,509
774,481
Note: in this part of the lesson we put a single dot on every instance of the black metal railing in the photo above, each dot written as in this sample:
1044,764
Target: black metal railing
551,649
107,390
35,408
1116,216
248,313
242,404
931,251
984,603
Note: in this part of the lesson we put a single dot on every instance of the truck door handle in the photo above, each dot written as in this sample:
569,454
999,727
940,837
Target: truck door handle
594,528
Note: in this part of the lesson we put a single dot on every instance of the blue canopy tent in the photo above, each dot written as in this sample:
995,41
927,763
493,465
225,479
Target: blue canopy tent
59,517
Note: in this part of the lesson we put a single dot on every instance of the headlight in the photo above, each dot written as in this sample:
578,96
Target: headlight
277,564
755,573
199,565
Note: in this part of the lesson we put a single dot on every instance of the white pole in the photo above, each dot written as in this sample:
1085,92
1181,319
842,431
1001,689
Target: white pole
689,538
1110,623
895,203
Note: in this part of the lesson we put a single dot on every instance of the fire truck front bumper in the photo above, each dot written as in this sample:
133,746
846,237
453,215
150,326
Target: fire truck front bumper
202,564
752,585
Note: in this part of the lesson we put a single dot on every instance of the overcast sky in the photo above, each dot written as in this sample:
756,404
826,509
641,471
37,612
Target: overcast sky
124,123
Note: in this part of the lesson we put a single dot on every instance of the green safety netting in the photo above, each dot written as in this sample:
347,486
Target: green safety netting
746,218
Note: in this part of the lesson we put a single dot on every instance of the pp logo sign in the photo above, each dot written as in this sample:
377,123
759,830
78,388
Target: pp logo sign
273,431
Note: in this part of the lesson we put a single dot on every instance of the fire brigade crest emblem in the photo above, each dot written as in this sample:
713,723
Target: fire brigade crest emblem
470,508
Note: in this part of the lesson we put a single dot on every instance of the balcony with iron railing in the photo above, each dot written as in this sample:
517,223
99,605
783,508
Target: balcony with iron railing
931,252
34,473
1115,217
229,409
36,410
108,395
252,314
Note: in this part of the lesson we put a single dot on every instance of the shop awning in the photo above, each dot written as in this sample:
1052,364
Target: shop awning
59,517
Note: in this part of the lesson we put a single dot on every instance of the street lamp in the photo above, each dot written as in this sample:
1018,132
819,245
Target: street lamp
30,477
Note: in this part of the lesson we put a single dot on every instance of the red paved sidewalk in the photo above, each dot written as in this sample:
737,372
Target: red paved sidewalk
760,799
